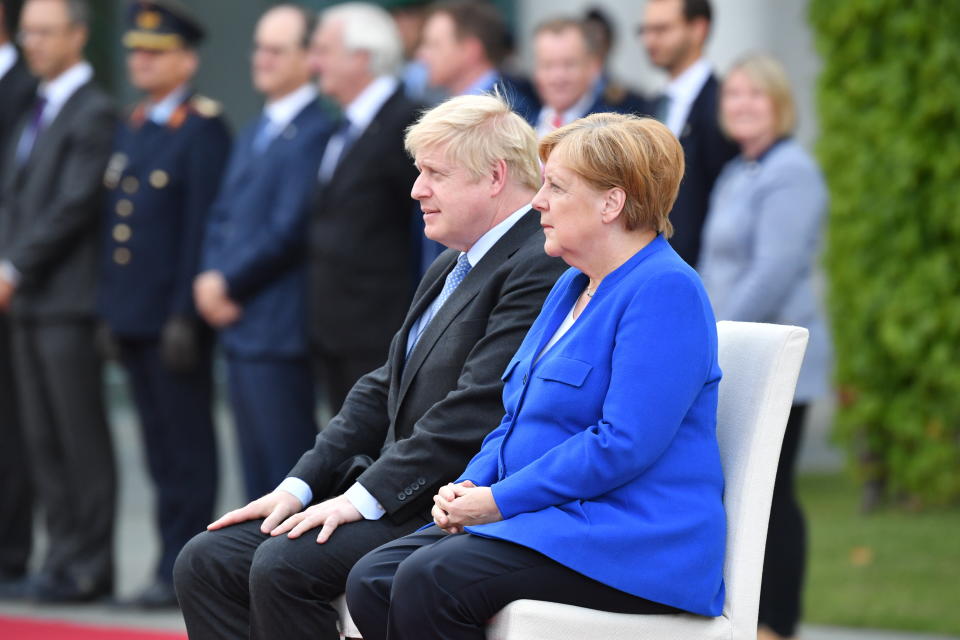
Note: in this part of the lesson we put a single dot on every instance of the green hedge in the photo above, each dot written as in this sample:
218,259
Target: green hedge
889,108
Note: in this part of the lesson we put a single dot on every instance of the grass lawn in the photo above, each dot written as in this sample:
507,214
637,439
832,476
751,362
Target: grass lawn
888,570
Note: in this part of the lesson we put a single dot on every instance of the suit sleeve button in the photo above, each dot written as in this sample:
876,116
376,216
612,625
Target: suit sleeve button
408,491
422,481
401,496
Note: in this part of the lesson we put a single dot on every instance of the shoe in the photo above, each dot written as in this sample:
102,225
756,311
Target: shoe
159,595
45,589
14,588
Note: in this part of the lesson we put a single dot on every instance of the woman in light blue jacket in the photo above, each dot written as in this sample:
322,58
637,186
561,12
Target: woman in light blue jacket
602,486
758,257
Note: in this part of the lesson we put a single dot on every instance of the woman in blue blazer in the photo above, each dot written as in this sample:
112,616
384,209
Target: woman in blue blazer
759,251
602,485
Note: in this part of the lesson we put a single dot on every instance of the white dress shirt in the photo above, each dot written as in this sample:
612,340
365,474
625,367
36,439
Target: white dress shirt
8,58
56,92
545,121
357,494
161,112
682,92
283,111
360,113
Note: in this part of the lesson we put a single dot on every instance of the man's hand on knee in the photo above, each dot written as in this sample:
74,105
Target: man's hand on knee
329,514
274,508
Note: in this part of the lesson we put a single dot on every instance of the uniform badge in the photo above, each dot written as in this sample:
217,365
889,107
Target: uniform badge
116,165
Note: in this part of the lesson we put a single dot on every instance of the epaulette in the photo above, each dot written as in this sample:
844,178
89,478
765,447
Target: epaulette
206,107
614,93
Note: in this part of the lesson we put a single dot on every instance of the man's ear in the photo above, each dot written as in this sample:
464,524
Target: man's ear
613,201
498,177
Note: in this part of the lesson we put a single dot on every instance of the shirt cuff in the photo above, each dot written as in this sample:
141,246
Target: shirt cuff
9,272
365,503
299,489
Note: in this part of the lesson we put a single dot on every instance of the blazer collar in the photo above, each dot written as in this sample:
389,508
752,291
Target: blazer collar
369,136
51,133
467,291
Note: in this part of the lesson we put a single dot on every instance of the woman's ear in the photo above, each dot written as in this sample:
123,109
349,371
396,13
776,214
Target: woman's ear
613,201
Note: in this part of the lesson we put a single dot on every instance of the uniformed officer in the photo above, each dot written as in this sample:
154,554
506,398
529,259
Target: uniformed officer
162,178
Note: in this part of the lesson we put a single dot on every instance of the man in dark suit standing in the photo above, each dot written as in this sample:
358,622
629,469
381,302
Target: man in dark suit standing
361,230
18,89
674,33
167,160
566,71
412,424
254,282
49,214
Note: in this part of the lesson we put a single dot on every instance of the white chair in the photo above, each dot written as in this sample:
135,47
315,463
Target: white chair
760,364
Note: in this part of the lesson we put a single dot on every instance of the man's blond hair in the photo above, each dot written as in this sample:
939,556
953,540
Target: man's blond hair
477,131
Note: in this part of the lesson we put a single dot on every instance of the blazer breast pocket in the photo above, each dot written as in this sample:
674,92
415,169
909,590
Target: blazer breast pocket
568,371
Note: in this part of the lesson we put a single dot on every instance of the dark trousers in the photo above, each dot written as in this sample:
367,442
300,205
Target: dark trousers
177,425
16,498
60,388
240,583
785,557
337,373
273,407
430,585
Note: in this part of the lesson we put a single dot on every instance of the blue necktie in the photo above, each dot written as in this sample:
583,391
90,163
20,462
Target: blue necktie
454,278
31,132
262,137
340,142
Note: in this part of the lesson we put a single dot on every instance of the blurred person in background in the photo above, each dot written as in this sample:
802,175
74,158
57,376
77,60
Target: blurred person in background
566,69
167,160
18,89
674,33
407,427
758,263
361,229
464,45
49,229
253,287
600,30
410,16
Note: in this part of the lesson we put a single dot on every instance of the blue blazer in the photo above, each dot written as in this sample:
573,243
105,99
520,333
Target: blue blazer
258,232
607,458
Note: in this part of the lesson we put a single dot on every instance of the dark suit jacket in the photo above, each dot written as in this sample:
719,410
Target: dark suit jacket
19,89
430,414
257,235
50,209
360,238
161,180
706,150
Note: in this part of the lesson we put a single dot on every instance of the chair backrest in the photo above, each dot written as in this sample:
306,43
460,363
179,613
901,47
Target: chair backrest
760,364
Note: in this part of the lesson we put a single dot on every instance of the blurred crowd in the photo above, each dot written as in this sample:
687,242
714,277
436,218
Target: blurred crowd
158,235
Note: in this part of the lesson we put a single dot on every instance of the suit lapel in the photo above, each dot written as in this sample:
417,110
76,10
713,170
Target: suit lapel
50,137
367,139
467,291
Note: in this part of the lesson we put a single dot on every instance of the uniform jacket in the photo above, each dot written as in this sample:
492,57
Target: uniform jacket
50,208
760,246
706,150
257,235
419,421
161,181
360,238
607,459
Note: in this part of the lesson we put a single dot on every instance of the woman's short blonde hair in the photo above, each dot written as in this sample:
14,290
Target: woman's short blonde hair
638,155
768,74
477,131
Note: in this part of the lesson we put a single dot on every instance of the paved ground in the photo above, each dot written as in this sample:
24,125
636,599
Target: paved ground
137,543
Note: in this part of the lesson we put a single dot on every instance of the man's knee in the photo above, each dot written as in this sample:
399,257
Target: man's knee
193,561
365,583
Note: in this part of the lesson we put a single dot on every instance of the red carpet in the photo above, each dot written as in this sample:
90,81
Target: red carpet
24,629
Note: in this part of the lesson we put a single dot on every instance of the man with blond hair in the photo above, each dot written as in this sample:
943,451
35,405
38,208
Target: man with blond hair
272,568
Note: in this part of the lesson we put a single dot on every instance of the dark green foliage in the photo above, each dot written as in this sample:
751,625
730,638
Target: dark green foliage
889,106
